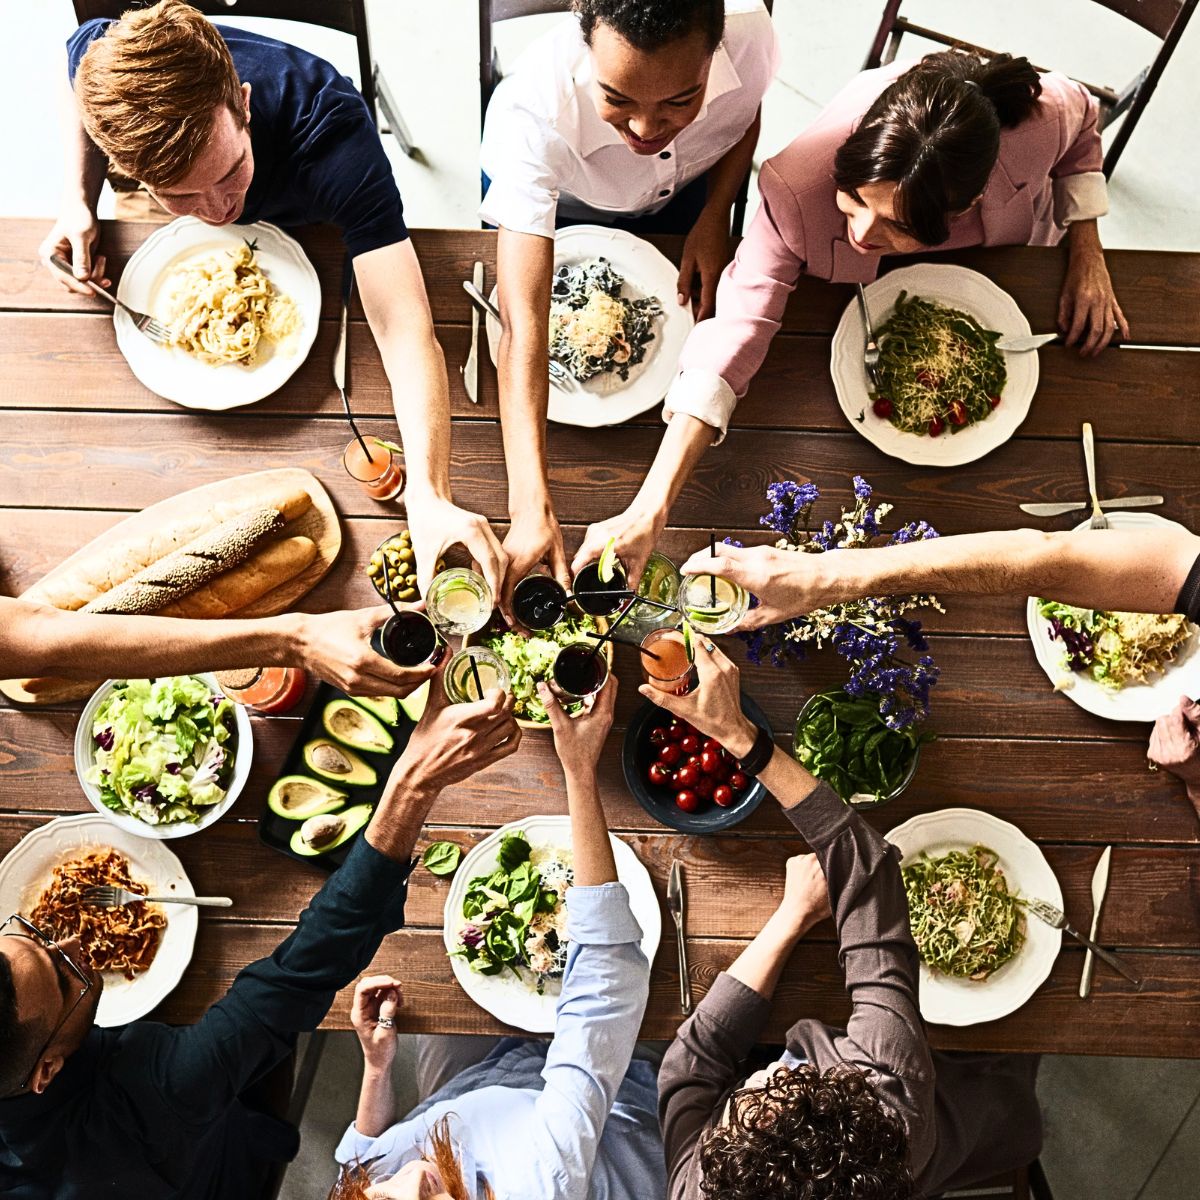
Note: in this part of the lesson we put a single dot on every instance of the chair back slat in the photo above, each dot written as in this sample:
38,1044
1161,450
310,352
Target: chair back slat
345,16
507,10
1155,16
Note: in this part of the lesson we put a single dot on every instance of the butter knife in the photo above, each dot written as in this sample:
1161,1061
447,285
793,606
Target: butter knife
470,371
677,906
1057,509
1027,341
1099,887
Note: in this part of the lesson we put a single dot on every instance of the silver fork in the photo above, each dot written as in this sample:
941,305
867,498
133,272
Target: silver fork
156,331
560,377
1056,919
116,897
1099,520
871,350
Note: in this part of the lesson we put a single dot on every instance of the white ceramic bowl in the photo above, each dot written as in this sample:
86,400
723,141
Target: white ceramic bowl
85,759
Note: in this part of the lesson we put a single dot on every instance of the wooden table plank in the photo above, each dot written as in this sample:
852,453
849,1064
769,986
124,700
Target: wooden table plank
1157,289
1163,1020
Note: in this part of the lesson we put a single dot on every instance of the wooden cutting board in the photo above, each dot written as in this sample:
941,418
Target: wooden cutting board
319,522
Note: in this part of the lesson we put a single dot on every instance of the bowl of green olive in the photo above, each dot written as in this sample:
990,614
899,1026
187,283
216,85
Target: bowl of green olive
394,557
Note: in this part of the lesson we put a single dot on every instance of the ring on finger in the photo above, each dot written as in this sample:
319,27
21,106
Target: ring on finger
708,645
386,1023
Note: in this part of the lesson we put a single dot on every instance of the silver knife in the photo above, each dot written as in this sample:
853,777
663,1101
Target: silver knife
1057,509
1017,343
677,906
1099,887
470,371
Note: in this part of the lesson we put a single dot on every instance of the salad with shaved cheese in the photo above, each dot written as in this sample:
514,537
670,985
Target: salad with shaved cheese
593,327
530,661
1116,649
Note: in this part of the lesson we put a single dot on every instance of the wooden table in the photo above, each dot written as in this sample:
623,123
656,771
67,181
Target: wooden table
84,444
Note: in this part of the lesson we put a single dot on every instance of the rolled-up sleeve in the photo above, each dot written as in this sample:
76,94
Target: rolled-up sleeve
1080,189
518,158
703,394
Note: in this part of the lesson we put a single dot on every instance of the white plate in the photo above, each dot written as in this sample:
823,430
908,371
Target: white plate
27,868
949,1001
85,758
605,399
958,288
177,375
1138,701
506,997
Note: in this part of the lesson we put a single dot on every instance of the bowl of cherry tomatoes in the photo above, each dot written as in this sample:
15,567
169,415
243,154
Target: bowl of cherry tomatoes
682,778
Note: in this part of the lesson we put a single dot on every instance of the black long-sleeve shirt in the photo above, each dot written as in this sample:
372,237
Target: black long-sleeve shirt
152,1111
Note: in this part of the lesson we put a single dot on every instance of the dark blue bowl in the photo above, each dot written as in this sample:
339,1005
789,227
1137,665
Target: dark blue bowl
637,754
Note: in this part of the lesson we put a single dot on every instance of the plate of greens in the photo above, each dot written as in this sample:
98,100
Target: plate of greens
505,920
1118,665
162,758
947,396
615,325
966,873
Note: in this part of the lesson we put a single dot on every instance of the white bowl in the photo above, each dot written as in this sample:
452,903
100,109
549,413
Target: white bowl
85,759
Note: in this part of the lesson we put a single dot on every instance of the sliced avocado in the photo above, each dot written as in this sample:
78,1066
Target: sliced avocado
327,759
297,797
414,703
323,833
386,708
345,722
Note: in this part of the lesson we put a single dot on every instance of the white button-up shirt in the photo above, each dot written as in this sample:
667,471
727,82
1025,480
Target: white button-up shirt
547,151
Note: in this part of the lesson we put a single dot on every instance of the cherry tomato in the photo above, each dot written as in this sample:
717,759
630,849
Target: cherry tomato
925,379
675,730
710,762
994,401
692,760
711,744
687,800
670,754
687,776
936,426
658,736
738,781
723,795
659,774
882,407
958,412
689,744
705,787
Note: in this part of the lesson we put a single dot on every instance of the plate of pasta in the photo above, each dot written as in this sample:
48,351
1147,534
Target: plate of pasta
946,395
142,950
242,303
616,328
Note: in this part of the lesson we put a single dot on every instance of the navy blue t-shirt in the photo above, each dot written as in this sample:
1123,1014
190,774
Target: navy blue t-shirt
317,153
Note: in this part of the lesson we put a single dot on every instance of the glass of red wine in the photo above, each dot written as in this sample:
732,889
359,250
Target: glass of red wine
409,639
539,602
580,671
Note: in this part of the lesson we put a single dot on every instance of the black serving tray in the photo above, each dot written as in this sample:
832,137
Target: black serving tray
276,831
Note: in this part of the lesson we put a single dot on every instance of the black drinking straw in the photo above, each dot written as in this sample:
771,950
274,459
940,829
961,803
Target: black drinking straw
387,589
712,579
475,673
601,638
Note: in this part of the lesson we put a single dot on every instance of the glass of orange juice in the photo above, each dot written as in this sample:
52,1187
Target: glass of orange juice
668,663
377,470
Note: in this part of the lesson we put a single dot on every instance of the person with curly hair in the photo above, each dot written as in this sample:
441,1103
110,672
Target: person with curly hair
637,114
868,1111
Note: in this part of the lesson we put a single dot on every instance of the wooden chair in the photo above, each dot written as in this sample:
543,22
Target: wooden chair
1029,1183
491,12
1166,19
344,16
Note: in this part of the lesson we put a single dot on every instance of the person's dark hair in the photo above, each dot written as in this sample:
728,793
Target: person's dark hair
935,133
16,1040
807,1135
653,24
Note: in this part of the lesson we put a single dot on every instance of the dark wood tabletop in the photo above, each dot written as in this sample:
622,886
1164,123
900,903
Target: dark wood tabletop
84,444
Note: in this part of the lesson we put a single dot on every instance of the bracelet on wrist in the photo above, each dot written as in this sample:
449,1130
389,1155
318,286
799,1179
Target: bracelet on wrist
759,754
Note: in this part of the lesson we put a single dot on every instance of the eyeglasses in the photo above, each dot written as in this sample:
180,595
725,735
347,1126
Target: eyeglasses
27,929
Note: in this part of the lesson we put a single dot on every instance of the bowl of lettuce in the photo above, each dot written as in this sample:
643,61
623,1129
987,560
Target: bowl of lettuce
530,659
163,758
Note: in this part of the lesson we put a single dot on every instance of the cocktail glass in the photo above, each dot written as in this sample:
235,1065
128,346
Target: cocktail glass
459,678
409,639
539,602
580,671
459,601
588,582
378,471
712,604
668,663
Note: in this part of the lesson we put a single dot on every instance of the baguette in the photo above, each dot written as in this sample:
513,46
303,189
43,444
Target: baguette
262,572
109,562
190,568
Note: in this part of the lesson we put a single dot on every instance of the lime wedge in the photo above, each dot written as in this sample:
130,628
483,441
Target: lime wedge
608,561
414,703
688,648
388,445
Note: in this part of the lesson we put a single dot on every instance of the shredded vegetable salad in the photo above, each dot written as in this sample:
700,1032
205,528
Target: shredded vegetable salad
530,661
965,921
593,328
1116,649
938,367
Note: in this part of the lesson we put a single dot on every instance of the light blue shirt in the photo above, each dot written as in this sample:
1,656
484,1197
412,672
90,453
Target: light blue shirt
568,1120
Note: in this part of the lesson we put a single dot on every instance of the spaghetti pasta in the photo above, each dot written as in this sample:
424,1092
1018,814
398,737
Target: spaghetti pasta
221,306
122,939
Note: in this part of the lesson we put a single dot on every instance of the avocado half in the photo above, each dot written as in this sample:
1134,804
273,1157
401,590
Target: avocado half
325,832
386,708
345,722
326,759
414,703
297,797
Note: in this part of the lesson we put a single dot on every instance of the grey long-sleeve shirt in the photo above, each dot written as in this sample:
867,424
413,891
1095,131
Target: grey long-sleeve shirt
966,1116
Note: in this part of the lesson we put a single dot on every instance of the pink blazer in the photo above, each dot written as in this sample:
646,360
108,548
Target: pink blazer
799,227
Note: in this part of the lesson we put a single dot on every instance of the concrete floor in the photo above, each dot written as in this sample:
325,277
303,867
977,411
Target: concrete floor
1117,1129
